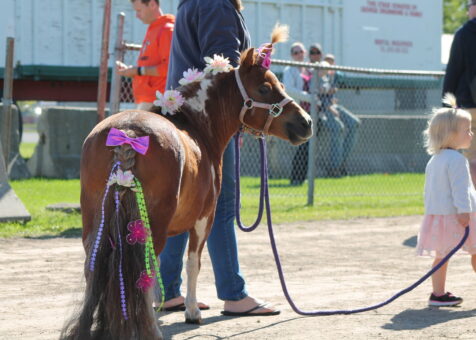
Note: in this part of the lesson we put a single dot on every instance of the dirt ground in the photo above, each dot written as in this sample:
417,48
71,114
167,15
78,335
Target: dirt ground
328,265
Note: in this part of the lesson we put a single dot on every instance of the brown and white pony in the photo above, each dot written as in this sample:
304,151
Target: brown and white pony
181,177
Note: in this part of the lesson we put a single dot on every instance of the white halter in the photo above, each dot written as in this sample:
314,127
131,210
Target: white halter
274,109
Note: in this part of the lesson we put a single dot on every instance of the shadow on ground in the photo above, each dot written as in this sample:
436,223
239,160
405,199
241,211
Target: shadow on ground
412,319
181,327
68,233
411,242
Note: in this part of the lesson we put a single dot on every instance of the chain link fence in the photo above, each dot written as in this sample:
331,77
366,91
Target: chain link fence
367,145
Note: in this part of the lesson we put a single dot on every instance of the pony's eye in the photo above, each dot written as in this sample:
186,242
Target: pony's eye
264,89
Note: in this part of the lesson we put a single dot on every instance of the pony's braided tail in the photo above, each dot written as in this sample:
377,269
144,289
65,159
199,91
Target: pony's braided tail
114,307
125,154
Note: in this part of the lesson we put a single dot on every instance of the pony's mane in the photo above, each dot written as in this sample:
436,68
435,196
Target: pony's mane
280,33
186,115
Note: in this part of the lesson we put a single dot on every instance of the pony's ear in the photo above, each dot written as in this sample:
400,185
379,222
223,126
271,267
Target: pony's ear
248,58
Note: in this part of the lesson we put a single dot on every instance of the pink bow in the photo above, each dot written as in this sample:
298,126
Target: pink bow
264,53
117,137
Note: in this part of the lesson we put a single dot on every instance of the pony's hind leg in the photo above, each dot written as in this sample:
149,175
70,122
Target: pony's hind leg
156,330
198,236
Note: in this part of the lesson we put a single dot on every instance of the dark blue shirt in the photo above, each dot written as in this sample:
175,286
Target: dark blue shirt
204,28
461,66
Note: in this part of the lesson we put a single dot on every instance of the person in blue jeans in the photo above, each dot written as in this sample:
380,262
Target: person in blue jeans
204,28
341,124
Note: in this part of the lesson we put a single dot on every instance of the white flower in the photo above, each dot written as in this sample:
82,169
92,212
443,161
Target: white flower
217,64
170,101
125,179
190,76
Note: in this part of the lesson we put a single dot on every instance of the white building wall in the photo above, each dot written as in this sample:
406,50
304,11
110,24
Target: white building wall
68,33
397,34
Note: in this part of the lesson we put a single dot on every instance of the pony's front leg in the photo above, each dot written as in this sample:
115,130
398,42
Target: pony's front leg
198,236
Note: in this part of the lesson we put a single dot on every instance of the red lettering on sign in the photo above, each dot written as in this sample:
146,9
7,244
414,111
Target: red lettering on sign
391,8
393,46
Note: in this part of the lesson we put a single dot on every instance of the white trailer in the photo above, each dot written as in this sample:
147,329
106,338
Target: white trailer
399,34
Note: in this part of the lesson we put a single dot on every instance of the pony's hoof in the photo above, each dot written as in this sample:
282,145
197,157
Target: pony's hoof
193,321
193,316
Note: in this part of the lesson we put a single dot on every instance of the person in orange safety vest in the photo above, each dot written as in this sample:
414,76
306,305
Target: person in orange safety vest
150,74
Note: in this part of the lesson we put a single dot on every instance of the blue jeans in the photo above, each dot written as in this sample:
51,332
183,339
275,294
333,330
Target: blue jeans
222,244
342,134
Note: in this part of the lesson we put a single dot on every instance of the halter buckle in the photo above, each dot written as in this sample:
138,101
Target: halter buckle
249,103
275,110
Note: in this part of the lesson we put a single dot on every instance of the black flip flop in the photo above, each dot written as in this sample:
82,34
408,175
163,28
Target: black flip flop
249,312
181,308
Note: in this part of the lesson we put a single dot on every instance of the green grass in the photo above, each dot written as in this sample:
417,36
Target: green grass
27,149
378,195
344,198
29,127
36,194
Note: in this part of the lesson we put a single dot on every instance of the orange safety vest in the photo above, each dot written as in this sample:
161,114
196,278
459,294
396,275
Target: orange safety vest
155,51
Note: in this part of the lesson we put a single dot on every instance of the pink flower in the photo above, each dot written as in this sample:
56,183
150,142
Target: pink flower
138,232
190,76
145,281
122,178
170,101
217,64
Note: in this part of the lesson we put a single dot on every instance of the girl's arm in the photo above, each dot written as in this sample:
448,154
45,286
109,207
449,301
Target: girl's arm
463,219
460,182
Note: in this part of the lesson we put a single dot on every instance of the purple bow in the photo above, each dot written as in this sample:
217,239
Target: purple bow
117,137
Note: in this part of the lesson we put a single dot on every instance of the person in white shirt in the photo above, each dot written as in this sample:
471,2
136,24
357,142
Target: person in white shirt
297,80
450,197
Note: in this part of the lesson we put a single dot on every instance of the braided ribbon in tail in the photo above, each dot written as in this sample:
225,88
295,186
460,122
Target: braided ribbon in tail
149,247
139,230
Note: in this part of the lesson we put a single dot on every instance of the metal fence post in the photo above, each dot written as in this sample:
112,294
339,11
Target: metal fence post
114,96
7,102
311,169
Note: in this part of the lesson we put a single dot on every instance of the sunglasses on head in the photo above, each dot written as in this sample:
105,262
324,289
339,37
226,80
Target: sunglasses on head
298,52
315,52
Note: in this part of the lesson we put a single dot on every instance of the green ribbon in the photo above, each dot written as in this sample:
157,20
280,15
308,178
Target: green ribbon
149,247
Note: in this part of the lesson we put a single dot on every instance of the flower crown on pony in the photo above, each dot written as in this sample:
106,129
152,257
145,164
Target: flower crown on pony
171,100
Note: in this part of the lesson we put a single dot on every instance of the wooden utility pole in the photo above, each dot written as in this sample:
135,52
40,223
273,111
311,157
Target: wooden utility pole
7,102
103,67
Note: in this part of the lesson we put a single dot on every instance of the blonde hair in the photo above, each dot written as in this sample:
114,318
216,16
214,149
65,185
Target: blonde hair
443,124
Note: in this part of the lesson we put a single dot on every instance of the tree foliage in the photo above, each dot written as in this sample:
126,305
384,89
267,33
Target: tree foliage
455,14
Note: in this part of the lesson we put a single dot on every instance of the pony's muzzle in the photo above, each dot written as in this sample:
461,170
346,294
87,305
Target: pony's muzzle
299,129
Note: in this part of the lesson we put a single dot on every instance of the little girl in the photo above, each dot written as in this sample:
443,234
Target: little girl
450,197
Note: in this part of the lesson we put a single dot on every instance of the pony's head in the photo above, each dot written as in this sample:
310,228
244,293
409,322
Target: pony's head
266,106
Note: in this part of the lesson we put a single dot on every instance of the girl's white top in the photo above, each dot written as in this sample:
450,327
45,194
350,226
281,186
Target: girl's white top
448,185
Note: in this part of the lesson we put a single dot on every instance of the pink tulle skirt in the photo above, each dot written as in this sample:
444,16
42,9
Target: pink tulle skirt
439,234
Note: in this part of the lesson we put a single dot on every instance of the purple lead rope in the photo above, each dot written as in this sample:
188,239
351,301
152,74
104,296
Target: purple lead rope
264,194
237,185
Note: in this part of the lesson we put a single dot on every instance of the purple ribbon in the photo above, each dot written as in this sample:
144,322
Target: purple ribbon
117,137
